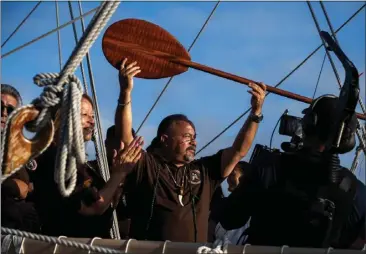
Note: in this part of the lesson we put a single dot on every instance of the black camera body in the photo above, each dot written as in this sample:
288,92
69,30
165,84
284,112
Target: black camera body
262,155
291,126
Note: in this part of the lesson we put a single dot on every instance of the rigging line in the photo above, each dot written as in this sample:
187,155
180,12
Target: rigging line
102,156
328,21
48,33
94,94
171,78
58,36
335,38
21,23
312,53
320,74
76,42
324,44
285,78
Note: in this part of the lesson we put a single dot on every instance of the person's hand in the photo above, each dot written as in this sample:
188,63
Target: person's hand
126,158
258,93
23,188
126,74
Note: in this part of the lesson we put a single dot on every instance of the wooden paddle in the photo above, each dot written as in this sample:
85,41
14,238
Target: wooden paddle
160,55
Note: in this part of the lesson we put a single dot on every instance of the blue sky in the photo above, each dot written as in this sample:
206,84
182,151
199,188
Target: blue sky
262,41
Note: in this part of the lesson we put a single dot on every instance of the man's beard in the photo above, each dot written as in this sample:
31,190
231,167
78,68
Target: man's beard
187,157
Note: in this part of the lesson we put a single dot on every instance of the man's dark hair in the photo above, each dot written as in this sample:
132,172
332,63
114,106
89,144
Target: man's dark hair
8,89
164,126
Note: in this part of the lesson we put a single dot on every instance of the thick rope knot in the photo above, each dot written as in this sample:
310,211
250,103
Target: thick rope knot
50,97
67,94
220,246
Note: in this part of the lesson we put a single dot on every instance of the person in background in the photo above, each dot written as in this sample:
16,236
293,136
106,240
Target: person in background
216,231
111,144
304,198
17,212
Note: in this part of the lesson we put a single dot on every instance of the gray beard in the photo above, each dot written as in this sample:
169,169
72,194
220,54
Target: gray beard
188,158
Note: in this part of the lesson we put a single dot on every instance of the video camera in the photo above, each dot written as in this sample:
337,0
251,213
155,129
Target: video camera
291,126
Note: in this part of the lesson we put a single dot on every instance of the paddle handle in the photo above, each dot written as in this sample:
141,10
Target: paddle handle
216,72
246,81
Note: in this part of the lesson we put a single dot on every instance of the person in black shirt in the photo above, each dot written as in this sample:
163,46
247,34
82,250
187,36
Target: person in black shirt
169,191
87,212
285,197
17,212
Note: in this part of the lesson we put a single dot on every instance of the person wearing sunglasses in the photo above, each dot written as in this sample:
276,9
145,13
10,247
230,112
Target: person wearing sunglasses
10,99
17,212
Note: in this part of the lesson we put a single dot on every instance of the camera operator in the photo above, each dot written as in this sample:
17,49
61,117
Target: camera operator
293,200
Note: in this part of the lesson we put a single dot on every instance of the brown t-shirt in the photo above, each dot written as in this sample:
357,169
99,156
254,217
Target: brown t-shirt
168,220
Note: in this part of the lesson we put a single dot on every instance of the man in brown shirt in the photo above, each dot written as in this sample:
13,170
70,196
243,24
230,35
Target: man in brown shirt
169,192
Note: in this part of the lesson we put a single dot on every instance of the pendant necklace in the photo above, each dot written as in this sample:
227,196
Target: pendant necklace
180,187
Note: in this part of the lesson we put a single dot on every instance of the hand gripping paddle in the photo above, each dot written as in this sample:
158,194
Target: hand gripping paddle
160,55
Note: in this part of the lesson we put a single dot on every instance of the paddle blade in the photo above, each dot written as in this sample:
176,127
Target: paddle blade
122,37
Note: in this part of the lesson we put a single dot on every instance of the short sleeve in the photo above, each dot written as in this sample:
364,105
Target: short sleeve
212,165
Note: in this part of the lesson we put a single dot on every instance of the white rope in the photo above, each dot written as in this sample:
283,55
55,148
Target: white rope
219,246
71,147
54,240
48,98
98,136
4,143
9,242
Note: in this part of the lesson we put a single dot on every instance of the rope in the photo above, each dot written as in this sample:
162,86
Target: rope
9,241
4,142
48,33
47,98
282,80
320,74
219,246
70,149
101,153
21,23
71,139
171,78
54,240
58,36
76,41
324,44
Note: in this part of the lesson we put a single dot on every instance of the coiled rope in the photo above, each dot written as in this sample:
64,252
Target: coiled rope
73,152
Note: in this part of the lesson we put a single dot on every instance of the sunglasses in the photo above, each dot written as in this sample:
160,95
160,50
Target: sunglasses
8,108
